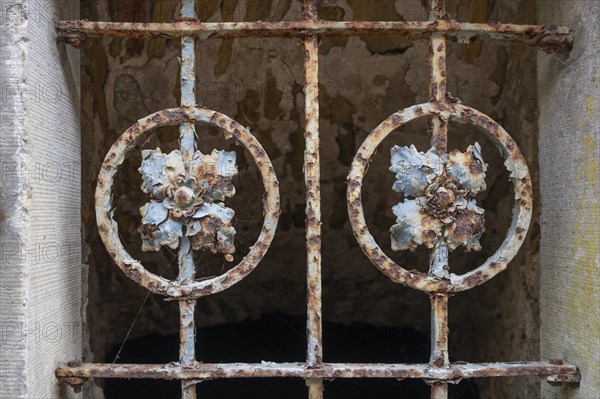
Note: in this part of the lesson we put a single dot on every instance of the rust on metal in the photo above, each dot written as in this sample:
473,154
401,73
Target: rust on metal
561,379
519,174
312,180
188,191
207,371
439,336
207,230
439,342
437,10
131,139
444,199
187,343
437,90
439,198
188,195
549,38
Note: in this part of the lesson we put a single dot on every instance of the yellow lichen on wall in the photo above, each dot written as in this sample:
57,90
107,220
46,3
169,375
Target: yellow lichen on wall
569,103
586,246
580,324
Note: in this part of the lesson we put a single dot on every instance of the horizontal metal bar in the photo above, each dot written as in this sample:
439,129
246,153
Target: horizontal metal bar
203,371
548,37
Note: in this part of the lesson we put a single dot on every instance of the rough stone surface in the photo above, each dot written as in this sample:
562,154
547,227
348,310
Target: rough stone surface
40,262
259,83
569,92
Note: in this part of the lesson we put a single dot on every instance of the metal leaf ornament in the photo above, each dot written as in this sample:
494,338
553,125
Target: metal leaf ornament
439,199
188,200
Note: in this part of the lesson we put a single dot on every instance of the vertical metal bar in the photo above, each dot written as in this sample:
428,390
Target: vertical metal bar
438,90
188,80
312,178
437,9
439,256
438,260
187,342
439,341
438,67
315,388
187,135
439,390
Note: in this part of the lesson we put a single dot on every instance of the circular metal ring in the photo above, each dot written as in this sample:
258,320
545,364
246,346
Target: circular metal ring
108,228
513,161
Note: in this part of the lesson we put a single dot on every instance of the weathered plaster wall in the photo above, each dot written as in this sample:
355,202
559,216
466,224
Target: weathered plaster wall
363,80
569,93
40,240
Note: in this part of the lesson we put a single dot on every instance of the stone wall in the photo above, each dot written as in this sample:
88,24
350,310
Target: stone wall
569,92
259,82
40,238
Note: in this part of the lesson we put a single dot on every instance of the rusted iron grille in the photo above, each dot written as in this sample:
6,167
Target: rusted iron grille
443,214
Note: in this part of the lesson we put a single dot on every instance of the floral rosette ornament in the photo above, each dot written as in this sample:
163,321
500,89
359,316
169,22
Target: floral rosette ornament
188,201
439,199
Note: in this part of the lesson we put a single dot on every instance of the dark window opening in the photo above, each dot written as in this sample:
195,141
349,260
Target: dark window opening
261,340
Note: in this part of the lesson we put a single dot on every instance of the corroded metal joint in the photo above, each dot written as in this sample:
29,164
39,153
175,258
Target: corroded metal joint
75,383
558,380
306,36
555,43
74,38
562,379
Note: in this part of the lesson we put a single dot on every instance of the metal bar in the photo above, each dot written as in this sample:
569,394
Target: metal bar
437,88
312,179
437,9
188,81
549,37
439,256
439,390
187,143
439,341
439,321
437,62
202,371
187,343
439,336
